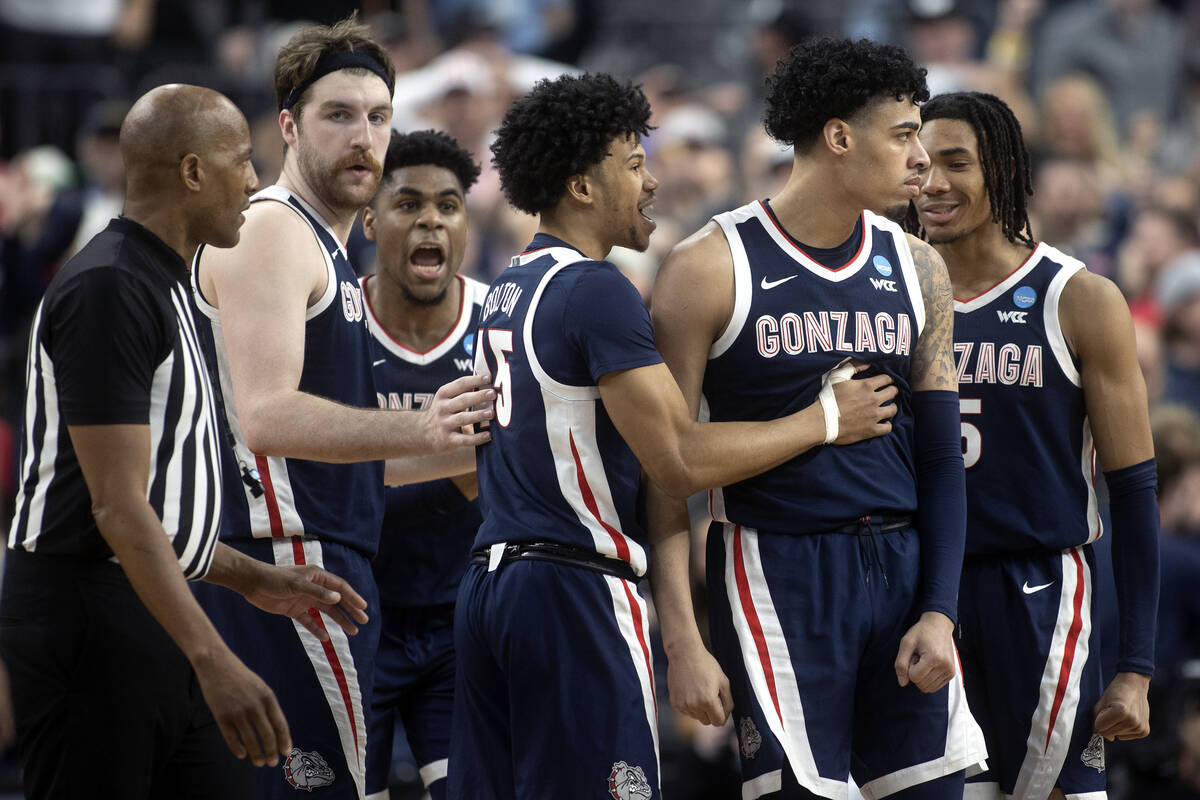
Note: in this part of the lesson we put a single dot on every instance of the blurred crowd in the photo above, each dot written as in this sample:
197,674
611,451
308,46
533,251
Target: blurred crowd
1107,91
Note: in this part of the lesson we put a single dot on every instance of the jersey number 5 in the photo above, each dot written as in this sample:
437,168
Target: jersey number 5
972,440
500,341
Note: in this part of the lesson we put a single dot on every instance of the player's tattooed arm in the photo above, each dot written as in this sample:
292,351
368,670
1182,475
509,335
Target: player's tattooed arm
933,358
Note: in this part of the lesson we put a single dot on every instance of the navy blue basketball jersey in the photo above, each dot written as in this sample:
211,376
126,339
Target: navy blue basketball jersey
291,496
428,527
552,324
1027,443
794,320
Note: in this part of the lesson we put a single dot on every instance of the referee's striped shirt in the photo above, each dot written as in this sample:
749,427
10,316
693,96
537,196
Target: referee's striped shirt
114,342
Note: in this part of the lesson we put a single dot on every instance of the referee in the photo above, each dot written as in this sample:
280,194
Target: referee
114,665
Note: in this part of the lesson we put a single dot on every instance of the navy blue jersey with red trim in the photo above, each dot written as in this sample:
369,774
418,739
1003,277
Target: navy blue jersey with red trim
428,527
297,497
794,319
1027,442
552,324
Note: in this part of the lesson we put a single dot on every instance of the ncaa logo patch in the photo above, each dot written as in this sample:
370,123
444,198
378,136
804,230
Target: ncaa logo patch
882,265
749,736
469,344
307,771
1093,754
628,783
1024,297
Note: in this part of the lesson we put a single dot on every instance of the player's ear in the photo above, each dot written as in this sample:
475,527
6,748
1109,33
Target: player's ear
191,171
836,135
369,223
579,188
287,126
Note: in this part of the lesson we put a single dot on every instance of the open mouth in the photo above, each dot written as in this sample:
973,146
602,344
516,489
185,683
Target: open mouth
427,259
643,210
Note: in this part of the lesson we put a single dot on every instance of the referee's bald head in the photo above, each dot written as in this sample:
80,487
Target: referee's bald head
187,165
171,121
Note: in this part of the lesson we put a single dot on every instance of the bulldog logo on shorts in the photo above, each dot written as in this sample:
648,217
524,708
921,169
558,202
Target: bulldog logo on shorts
749,736
628,783
1093,754
307,771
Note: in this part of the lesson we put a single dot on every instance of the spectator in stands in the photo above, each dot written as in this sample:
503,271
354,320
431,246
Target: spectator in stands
1176,430
1133,48
1179,298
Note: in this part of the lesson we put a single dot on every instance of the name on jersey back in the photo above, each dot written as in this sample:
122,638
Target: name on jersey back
501,297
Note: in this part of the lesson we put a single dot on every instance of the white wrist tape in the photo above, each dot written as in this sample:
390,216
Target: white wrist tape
842,372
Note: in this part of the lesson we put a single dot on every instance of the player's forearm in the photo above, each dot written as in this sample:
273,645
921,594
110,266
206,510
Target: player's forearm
234,570
137,538
418,469
670,559
296,424
716,454
1132,501
941,499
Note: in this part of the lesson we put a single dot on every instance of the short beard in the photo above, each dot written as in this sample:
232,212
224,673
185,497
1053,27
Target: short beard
896,213
323,180
424,301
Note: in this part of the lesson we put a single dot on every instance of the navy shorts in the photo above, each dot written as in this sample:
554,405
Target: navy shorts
807,629
414,681
554,695
323,688
1031,658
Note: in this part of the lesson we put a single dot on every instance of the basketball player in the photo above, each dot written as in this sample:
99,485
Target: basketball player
291,345
833,577
422,315
118,675
1049,379
554,695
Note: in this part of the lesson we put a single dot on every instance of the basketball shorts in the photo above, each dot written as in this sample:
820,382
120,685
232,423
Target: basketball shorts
324,688
414,682
807,629
1031,658
554,695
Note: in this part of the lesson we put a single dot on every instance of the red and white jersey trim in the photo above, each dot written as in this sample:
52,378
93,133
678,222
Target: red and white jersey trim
472,295
1054,718
571,433
633,621
333,663
767,660
769,667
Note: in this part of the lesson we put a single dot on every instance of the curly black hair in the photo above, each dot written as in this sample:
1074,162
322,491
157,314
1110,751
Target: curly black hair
1001,149
561,128
430,147
825,78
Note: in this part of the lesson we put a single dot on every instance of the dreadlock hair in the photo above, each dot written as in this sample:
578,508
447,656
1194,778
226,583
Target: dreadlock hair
1002,154
821,79
431,147
561,128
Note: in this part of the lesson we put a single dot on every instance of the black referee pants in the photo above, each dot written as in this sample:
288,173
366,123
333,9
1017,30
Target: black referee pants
106,704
